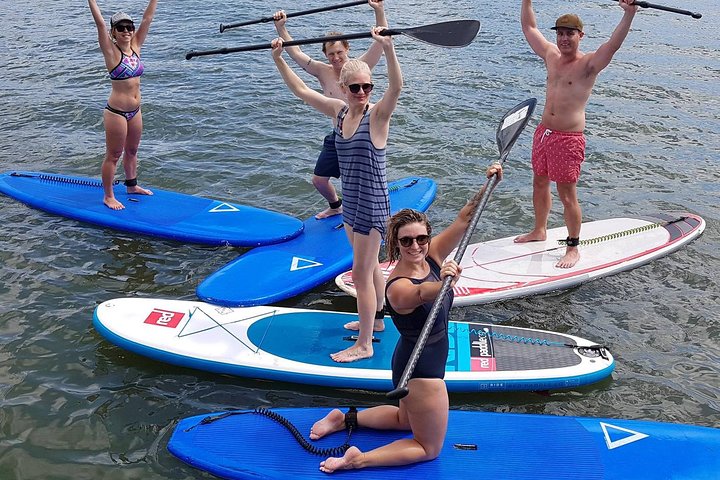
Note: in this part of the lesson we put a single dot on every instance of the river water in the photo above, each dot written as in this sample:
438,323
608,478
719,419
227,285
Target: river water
75,406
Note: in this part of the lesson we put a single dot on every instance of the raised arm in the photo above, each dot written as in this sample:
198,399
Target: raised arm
373,54
106,44
537,41
326,105
384,108
301,58
446,241
602,56
142,31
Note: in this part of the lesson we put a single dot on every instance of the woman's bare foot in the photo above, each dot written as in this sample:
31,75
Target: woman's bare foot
572,255
353,354
344,463
378,326
137,189
111,202
332,422
329,212
534,236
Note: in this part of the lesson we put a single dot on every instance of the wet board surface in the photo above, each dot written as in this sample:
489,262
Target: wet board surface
502,269
294,345
270,274
165,214
485,445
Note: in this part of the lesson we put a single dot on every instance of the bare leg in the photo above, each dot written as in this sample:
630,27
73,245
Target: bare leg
366,249
130,159
327,190
378,325
115,134
379,285
426,411
382,417
573,219
542,202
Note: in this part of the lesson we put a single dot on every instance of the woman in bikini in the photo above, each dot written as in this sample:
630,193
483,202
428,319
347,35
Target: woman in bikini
411,291
122,116
361,136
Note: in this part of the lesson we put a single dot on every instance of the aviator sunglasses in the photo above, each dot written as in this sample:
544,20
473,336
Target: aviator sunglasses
125,28
355,87
420,239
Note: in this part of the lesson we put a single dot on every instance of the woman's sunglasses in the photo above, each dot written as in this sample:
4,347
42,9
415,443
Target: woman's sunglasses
420,239
366,87
125,28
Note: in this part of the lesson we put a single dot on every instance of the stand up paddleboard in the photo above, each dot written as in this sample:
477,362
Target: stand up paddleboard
294,345
478,445
164,214
502,269
270,274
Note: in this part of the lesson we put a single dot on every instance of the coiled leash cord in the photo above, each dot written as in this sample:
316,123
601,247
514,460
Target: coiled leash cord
350,425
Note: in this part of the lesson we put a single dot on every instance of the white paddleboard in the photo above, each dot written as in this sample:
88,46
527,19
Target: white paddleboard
294,345
502,269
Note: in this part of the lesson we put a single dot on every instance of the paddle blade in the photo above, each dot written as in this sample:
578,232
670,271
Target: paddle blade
455,33
512,124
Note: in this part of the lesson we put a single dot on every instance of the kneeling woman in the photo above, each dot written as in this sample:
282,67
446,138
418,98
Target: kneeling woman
410,293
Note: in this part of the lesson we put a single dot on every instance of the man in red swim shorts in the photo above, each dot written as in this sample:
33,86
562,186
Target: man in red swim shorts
559,143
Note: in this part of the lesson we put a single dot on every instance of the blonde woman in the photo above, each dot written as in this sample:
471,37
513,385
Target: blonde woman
361,133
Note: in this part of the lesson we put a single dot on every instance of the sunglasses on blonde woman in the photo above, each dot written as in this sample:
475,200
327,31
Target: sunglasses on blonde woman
366,87
420,239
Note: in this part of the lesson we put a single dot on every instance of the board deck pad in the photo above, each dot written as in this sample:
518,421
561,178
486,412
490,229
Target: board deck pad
487,445
502,269
270,274
294,345
164,214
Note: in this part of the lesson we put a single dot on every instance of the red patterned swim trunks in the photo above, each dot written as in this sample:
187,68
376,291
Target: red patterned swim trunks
558,155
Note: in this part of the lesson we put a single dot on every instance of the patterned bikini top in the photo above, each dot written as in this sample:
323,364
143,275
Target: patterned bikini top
129,67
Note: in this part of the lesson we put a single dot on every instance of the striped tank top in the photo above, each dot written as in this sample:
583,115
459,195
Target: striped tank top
363,176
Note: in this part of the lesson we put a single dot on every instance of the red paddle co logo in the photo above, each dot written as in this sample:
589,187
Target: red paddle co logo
164,318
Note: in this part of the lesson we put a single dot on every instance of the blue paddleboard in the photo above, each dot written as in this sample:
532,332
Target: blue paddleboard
479,445
164,214
269,274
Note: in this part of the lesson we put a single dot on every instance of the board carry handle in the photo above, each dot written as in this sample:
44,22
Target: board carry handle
290,15
511,125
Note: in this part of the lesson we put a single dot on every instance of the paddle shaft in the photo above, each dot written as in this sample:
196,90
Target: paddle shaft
402,390
292,43
644,4
294,14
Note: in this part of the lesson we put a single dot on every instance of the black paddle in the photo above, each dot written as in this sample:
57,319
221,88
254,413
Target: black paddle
667,9
290,15
508,132
455,33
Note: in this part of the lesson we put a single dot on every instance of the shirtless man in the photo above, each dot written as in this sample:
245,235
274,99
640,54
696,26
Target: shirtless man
328,74
559,143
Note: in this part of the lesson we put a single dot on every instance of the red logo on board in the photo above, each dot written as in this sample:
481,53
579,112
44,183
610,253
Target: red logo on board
164,318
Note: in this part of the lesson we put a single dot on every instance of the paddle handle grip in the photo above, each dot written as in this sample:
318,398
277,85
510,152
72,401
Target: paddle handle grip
644,4
290,15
